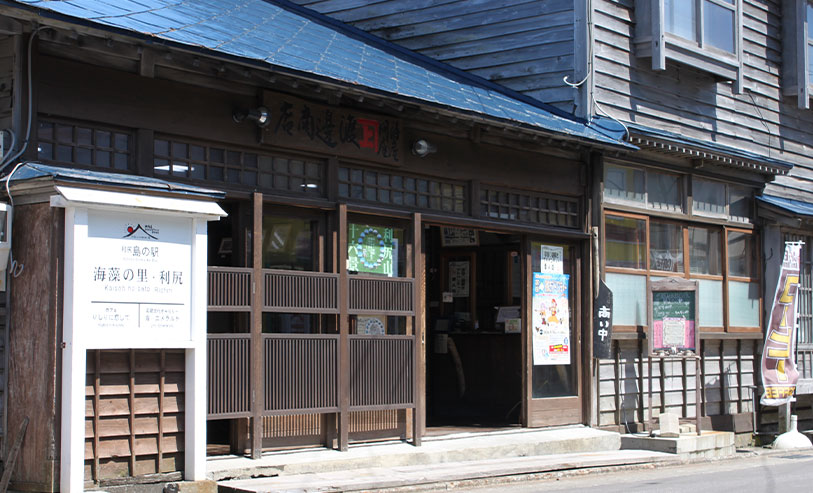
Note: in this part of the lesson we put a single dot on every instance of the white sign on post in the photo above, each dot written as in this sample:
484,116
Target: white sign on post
135,277
138,277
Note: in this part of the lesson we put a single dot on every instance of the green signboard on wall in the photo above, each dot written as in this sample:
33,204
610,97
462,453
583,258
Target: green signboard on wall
370,249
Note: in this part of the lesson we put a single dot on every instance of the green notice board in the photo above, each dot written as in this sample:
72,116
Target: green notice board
673,316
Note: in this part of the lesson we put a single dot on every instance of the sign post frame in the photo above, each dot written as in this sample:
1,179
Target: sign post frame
78,203
676,295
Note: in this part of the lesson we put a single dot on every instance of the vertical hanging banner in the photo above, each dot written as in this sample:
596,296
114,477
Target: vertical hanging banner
551,319
603,322
779,374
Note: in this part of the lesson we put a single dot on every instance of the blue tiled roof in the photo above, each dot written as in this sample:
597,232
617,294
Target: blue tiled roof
794,206
282,34
34,170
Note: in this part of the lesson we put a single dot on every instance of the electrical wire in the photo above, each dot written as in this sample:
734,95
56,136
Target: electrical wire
24,145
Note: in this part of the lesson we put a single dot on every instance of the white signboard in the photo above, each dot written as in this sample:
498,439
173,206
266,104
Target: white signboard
552,259
137,272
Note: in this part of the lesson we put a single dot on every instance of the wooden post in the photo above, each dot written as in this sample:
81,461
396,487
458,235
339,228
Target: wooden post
418,334
257,395
344,331
697,394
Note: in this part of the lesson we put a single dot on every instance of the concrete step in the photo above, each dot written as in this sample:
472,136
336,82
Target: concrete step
708,445
455,448
416,477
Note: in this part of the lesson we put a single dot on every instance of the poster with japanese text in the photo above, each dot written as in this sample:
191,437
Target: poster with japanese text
138,276
551,319
459,273
552,259
370,249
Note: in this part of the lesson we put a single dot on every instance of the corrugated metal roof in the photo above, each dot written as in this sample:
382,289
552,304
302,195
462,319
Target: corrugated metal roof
34,170
794,206
281,34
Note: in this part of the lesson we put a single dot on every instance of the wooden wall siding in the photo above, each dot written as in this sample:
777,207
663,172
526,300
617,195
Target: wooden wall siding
33,347
691,103
727,373
3,368
134,413
526,45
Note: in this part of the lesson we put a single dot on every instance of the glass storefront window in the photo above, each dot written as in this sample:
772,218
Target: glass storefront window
665,247
705,252
625,242
288,243
741,254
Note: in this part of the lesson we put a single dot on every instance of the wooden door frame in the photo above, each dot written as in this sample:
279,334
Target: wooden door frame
575,402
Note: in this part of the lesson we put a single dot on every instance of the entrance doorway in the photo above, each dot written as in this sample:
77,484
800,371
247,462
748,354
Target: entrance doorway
474,361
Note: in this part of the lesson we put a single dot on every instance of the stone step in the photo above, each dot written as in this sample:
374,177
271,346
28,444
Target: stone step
462,447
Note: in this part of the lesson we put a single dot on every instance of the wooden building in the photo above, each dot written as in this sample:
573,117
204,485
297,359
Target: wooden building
716,95
382,259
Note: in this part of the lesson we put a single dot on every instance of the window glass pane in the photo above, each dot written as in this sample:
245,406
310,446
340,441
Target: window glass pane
718,26
287,243
710,293
629,298
553,307
664,192
680,18
708,197
375,249
743,304
741,254
739,206
665,246
705,253
624,184
625,241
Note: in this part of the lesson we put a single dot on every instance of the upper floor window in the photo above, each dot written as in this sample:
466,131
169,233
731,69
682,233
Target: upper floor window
650,189
663,192
705,34
797,50
718,199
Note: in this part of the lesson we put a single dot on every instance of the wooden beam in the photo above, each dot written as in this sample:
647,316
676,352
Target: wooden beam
418,294
257,370
344,331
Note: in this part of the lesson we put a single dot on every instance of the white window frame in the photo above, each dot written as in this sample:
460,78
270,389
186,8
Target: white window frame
796,43
653,41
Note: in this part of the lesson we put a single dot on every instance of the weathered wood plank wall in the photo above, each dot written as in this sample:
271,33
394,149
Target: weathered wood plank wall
526,45
727,374
692,103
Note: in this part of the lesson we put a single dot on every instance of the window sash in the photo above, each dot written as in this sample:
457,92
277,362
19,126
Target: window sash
720,279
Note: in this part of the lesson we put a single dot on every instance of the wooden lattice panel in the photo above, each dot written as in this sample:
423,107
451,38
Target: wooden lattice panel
134,414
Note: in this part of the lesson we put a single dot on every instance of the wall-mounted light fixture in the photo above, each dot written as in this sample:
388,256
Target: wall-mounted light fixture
259,115
422,148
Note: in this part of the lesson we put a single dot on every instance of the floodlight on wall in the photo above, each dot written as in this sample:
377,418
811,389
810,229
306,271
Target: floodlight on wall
260,115
422,148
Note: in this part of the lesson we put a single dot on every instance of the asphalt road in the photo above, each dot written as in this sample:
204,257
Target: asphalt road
790,471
